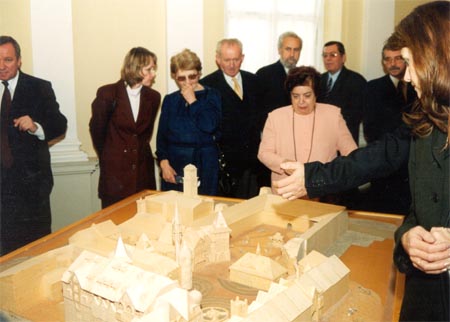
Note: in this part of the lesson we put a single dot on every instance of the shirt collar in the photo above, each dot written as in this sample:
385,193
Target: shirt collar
229,78
335,75
134,91
12,84
394,80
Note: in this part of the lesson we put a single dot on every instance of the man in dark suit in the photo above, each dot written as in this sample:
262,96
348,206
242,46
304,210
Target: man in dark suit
387,98
273,76
241,118
342,87
30,118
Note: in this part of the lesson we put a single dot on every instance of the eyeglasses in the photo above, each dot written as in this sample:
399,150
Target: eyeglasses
183,78
333,55
151,70
390,60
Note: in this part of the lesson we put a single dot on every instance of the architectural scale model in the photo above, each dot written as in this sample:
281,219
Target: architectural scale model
256,271
322,283
142,269
97,288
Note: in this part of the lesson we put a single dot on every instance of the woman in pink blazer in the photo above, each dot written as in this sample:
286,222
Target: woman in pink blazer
304,131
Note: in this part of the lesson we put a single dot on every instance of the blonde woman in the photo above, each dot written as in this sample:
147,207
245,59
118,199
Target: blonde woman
121,126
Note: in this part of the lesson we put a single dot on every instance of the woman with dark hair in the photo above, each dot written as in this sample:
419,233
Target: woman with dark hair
121,126
305,130
189,127
422,249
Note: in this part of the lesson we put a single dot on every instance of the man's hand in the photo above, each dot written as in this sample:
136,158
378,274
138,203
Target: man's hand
292,187
428,251
25,123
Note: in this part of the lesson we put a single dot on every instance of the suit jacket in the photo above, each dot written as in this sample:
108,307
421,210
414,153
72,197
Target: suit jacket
426,295
384,107
26,185
241,120
122,145
348,94
330,135
31,173
376,160
272,78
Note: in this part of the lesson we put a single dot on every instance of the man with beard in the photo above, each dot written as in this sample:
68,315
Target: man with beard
387,98
272,77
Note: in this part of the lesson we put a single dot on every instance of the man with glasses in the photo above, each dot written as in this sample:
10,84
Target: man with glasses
345,89
387,98
342,87
241,118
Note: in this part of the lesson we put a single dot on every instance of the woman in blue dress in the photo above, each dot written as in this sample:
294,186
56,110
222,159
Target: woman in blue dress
189,127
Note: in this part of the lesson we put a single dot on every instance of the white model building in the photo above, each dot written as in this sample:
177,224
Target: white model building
96,288
256,271
140,282
323,282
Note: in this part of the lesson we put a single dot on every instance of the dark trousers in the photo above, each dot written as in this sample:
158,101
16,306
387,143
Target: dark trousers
108,201
23,220
242,186
427,298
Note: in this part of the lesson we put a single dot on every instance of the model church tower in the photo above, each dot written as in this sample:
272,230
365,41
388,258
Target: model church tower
220,240
190,182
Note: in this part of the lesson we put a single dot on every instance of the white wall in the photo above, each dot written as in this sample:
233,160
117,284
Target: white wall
378,26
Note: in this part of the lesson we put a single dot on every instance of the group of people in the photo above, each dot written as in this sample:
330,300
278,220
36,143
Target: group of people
422,242
292,122
236,127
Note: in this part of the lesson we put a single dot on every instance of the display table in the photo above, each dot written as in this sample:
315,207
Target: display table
370,266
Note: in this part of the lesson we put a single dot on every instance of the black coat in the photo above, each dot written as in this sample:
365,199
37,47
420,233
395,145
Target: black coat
376,160
26,185
348,94
427,297
383,107
272,78
241,120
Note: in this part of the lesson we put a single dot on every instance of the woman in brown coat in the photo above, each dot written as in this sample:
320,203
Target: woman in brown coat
121,126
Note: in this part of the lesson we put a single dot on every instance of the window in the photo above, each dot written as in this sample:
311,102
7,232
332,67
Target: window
258,23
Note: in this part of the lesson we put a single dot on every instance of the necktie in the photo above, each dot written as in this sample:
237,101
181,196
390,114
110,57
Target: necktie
236,87
401,90
329,85
6,156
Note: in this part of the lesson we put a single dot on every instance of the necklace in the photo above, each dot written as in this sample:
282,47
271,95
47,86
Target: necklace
312,134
